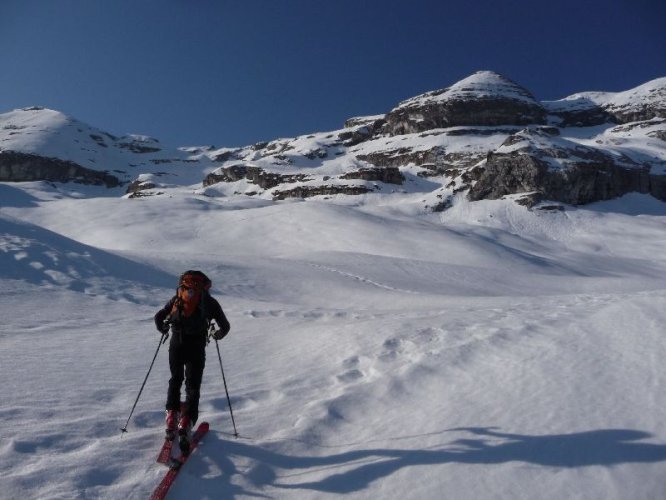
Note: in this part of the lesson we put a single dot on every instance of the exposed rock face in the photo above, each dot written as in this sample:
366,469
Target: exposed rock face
581,112
136,147
256,175
374,122
326,190
356,136
269,180
361,129
22,167
529,162
483,99
393,158
135,187
389,175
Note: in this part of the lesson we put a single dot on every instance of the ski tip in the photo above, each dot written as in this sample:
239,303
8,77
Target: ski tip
204,426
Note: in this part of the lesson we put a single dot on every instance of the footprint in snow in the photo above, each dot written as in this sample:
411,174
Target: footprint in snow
350,376
357,368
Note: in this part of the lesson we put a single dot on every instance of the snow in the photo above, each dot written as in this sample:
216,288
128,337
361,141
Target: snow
376,351
51,133
579,101
652,92
480,85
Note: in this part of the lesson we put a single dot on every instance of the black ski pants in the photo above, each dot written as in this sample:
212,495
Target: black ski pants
186,362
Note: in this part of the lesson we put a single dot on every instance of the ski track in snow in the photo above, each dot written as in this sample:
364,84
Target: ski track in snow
486,353
362,279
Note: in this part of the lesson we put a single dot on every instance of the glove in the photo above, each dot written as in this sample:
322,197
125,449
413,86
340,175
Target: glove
163,328
219,334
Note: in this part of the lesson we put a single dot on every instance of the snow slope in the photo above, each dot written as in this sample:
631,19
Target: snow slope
52,134
376,351
649,93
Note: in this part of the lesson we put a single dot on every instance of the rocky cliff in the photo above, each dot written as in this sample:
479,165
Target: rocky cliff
548,167
22,167
486,136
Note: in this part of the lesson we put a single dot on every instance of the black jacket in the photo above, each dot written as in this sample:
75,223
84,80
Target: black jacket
195,328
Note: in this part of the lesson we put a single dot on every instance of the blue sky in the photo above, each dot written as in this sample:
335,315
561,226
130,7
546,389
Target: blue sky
232,73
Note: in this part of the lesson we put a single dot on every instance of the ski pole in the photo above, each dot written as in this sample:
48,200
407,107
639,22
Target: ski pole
163,339
231,411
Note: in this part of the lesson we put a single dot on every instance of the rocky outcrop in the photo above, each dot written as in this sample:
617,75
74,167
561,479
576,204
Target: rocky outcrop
23,167
374,122
529,163
355,136
587,109
435,161
233,173
580,112
135,187
270,180
642,103
325,190
400,157
255,175
229,154
361,129
483,99
140,144
136,147
389,175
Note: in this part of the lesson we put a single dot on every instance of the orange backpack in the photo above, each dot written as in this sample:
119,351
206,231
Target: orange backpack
191,288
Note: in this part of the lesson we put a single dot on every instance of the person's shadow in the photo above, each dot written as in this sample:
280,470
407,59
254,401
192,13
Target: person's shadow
605,447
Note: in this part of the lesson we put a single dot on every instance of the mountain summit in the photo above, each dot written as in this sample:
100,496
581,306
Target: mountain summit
481,85
482,99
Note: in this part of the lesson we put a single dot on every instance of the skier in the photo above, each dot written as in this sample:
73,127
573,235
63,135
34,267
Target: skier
188,314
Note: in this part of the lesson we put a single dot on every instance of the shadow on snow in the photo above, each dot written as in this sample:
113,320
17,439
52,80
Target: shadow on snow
39,256
484,446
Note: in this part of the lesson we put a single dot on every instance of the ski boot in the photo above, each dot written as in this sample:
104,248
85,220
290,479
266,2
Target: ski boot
184,434
171,424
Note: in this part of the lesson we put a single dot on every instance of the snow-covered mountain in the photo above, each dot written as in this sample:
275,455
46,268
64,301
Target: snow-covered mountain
43,144
390,337
591,146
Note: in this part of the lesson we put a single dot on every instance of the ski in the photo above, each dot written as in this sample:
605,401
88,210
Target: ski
175,464
165,452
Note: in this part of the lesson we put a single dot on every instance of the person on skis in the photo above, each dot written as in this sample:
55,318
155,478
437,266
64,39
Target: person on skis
188,315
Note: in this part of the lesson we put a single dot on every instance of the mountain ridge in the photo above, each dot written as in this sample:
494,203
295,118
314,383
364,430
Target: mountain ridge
433,146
